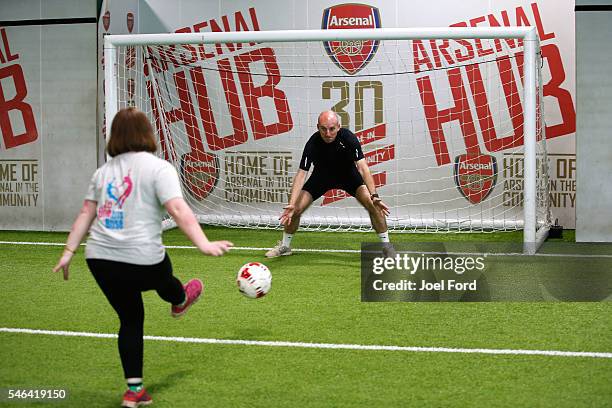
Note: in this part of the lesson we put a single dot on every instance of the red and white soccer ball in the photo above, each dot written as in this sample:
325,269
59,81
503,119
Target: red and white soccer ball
254,280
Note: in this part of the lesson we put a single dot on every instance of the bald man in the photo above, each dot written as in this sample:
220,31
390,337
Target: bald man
338,163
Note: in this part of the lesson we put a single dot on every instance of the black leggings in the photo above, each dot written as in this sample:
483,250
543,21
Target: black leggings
122,283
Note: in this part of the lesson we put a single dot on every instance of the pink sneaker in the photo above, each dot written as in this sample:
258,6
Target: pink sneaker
193,291
133,399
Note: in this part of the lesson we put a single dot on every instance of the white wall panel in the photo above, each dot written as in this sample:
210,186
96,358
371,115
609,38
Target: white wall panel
594,124
57,66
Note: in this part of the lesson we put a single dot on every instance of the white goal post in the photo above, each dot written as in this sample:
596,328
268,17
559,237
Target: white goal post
155,71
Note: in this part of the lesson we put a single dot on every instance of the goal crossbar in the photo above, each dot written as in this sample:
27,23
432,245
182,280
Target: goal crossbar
526,33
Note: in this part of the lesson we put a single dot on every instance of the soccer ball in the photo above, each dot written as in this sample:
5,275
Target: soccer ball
254,280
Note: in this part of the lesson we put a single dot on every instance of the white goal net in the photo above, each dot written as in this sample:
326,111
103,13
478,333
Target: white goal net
450,121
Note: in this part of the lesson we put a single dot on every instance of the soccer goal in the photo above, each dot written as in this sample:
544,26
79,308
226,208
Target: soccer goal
450,121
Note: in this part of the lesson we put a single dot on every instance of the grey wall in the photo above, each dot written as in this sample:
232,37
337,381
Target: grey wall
594,121
58,62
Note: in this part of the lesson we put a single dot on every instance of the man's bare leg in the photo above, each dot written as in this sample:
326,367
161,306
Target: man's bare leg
378,219
379,222
283,248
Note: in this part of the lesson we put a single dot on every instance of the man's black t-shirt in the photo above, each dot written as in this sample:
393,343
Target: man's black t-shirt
334,163
335,159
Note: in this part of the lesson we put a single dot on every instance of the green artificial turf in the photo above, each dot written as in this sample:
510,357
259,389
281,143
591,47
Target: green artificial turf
315,298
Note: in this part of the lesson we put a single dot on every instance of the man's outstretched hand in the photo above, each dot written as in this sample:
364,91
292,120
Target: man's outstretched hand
382,207
287,215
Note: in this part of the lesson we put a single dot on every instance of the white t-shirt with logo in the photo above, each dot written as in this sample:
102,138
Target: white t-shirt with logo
130,191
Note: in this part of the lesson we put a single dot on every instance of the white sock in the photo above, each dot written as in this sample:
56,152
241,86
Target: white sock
287,239
135,384
384,236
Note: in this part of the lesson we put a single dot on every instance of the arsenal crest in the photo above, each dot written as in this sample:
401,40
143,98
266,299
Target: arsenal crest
200,173
130,21
475,176
106,20
351,56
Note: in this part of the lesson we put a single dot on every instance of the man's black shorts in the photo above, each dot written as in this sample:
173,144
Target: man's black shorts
319,184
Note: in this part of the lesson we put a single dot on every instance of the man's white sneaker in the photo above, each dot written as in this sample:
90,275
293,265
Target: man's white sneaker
278,250
388,250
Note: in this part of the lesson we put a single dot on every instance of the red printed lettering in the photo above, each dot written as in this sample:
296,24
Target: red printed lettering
215,142
252,93
14,73
436,118
552,88
7,56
